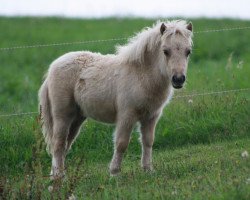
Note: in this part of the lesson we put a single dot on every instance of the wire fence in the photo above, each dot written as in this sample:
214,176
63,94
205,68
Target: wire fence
121,39
18,114
212,93
175,97
109,39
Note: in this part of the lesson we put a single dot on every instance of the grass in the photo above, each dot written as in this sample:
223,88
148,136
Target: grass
197,152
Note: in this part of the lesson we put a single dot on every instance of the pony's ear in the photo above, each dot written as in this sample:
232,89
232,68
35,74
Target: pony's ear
190,26
163,28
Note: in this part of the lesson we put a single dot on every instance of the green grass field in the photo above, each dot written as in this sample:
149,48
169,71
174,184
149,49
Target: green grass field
199,140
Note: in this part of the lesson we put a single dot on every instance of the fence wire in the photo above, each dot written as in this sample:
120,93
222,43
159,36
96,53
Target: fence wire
176,97
108,40
212,93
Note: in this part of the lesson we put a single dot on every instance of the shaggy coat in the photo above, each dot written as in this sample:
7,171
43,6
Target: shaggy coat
130,86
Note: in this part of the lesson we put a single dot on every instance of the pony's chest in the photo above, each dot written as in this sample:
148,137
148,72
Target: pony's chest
155,101
151,105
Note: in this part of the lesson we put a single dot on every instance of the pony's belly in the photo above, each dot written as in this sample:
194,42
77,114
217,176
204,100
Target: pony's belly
107,117
102,111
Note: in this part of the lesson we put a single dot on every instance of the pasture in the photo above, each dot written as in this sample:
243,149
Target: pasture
199,139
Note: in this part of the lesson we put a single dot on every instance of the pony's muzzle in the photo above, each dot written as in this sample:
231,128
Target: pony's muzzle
178,81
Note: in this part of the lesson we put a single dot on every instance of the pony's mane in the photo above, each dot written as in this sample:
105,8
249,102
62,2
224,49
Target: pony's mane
148,40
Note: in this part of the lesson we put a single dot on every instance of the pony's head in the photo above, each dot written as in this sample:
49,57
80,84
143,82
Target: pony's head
175,48
165,45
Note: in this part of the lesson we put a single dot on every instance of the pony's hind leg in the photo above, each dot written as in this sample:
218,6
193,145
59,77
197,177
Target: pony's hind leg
59,142
74,129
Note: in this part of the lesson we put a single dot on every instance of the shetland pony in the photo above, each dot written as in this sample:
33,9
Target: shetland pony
133,85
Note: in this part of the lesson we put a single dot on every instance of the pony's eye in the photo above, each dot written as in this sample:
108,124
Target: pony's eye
167,52
188,52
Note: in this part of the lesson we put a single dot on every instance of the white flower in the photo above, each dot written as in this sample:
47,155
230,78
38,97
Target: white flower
190,101
240,65
50,188
244,154
72,197
174,192
248,181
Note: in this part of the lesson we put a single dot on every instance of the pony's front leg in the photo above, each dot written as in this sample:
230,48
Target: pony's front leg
147,140
121,141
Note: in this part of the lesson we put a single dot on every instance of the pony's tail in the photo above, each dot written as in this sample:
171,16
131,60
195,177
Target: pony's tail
45,115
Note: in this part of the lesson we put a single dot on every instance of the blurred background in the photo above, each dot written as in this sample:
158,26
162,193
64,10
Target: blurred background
132,8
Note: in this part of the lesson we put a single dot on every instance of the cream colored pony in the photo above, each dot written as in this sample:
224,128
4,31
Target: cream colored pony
130,86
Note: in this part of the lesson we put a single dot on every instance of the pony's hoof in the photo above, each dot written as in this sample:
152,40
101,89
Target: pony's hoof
72,197
148,168
57,175
115,171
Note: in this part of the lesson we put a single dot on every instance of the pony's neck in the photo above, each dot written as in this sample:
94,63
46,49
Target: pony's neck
155,71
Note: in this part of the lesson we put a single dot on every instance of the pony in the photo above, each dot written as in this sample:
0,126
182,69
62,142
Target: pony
129,87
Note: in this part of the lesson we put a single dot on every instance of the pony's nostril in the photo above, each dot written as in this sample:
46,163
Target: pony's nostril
183,78
178,79
174,78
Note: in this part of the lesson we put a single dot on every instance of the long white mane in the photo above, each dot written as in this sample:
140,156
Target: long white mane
148,40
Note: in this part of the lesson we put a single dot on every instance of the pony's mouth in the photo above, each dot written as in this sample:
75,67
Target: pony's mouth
177,86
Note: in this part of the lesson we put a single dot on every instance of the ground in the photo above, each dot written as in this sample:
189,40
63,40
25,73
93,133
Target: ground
199,139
